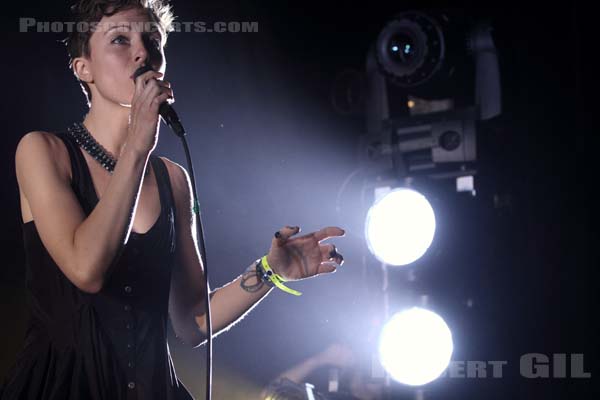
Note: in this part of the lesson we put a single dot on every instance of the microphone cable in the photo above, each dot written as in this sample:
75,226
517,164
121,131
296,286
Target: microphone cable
200,232
167,112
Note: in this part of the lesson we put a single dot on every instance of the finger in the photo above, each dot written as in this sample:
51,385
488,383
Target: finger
282,235
164,87
329,253
149,93
326,267
154,91
159,100
330,231
161,83
141,81
147,75
154,81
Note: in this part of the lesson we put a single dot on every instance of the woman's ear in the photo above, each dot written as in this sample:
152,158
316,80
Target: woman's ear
82,70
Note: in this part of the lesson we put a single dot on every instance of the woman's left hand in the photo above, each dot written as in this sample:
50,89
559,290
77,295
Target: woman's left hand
303,256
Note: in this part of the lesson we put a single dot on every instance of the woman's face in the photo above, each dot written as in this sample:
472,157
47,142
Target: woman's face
122,43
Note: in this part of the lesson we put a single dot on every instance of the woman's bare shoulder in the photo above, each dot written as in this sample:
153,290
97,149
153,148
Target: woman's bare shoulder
180,182
177,173
46,145
41,163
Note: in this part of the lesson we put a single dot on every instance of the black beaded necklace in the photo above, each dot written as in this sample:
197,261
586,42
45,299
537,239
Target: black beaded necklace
82,136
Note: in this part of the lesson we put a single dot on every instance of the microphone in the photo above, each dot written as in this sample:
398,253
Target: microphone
166,111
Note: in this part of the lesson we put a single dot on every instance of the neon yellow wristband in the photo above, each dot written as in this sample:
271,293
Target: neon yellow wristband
276,278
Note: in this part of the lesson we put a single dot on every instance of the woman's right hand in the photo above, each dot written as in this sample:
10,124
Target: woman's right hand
149,94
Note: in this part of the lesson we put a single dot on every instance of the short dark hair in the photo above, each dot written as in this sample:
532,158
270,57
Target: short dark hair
92,11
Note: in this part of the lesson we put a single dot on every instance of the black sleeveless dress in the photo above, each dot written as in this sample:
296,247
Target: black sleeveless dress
111,345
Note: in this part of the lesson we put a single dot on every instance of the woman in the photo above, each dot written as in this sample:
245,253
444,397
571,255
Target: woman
111,247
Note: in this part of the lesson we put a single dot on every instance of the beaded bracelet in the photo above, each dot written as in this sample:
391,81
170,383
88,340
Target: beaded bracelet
267,275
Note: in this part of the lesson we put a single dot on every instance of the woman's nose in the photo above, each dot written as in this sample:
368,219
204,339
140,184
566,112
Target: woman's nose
147,53
141,53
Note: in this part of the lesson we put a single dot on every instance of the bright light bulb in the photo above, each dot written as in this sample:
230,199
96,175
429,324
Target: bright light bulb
400,227
415,346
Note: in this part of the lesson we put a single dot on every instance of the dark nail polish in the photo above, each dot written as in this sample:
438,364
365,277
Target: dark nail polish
277,234
333,253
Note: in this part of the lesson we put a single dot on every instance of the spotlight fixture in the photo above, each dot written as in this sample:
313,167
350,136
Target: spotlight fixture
431,76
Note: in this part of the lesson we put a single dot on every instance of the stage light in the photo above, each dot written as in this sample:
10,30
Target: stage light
411,48
415,346
431,77
400,227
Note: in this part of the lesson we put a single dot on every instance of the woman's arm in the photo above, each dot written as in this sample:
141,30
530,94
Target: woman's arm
231,302
82,247
292,258
186,303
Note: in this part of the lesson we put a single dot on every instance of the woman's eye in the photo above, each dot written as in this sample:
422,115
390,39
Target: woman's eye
117,38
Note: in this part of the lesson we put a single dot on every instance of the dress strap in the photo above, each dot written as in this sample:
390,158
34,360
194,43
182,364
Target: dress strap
163,181
165,192
83,188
